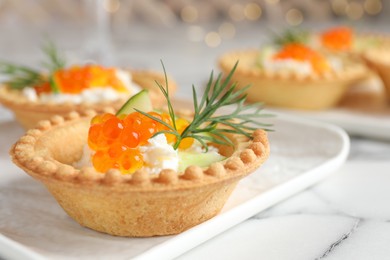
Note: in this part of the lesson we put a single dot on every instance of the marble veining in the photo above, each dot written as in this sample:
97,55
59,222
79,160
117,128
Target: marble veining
344,217
341,240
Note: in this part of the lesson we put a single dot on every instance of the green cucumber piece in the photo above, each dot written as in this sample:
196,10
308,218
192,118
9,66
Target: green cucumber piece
140,101
53,85
265,53
200,159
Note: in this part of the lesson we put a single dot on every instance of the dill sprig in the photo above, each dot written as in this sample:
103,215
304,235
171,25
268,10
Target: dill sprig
55,60
289,36
207,125
19,77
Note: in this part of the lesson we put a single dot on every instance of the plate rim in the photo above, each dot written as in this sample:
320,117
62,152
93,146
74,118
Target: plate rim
353,122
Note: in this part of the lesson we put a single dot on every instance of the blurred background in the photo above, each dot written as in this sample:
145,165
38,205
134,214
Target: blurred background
188,35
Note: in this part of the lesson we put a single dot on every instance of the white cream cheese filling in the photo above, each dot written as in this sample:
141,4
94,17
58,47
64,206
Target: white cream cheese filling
91,95
304,68
157,155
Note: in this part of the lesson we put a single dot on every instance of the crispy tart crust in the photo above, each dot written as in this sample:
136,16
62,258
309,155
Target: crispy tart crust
379,60
284,89
380,40
30,113
138,205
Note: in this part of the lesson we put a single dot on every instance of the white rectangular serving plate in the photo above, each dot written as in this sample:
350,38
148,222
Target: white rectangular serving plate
365,124
32,224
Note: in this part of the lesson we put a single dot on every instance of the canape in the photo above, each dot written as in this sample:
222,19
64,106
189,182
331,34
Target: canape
293,76
142,173
34,95
379,60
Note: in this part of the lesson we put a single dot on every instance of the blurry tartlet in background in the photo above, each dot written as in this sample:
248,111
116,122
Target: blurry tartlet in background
36,95
293,75
370,93
379,60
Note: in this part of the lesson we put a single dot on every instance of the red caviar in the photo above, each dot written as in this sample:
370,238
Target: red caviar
338,39
116,140
43,88
75,79
181,125
301,52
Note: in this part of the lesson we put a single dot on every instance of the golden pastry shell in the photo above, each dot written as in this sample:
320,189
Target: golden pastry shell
291,89
378,59
30,113
138,205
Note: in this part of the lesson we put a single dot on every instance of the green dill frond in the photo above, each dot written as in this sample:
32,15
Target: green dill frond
290,36
55,60
208,125
19,77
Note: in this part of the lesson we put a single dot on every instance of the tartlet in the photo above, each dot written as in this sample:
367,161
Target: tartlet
28,113
367,94
378,59
288,89
130,187
138,205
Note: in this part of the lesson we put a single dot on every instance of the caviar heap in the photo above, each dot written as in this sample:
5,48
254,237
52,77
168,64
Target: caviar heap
60,78
75,79
301,52
338,39
116,140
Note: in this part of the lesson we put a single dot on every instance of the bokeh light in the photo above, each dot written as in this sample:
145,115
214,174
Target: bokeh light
339,6
252,11
294,17
272,2
111,6
354,11
373,7
227,30
195,33
212,39
236,12
189,14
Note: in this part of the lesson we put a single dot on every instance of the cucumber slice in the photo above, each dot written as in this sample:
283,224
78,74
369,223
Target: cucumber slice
200,159
53,85
140,101
266,53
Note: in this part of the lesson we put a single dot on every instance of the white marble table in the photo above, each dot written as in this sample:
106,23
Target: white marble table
346,216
